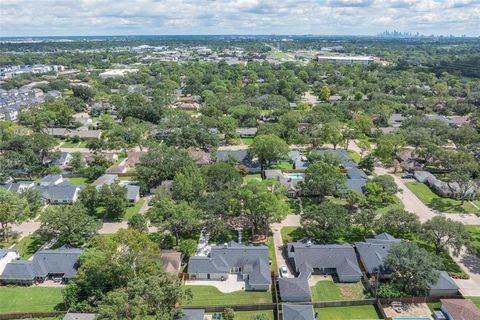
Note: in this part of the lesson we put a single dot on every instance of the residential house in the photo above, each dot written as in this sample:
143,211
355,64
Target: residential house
200,157
307,258
335,99
171,261
190,314
290,180
55,264
373,252
6,256
250,263
240,156
445,189
247,132
70,133
63,159
104,179
17,186
396,120
167,185
134,158
133,193
460,309
55,189
298,312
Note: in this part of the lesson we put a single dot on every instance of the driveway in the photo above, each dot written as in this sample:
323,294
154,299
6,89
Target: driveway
292,220
471,264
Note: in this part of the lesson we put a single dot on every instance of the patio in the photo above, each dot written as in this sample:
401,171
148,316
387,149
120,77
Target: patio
408,310
231,284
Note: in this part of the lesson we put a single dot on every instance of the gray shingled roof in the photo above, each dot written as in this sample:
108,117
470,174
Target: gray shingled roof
59,192
50,179
79,316
373,251
342,257
132,191
252,259
44,262
297,288
444,282
238,155
298,312
105,179
191,314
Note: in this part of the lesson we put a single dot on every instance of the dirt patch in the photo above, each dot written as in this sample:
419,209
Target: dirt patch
346,292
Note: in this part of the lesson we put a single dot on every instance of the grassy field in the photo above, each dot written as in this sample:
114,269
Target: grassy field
436,202
347,313
134,209
68,144
271,255
16,299
475,238
247,141
284,165
250,315
79,181
328,291
475,300
209,295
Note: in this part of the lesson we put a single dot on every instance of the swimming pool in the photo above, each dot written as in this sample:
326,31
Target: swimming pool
297,176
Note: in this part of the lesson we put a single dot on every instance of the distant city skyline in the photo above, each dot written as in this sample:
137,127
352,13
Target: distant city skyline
252,17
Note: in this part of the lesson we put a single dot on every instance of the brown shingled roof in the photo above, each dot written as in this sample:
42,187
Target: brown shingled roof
461,309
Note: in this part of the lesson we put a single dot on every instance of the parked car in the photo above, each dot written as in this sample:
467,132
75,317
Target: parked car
283,271
407,175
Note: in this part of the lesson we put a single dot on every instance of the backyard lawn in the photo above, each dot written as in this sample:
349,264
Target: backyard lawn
250,315
354,156
247,141
209,295
436,202
284,165
475,238
68,144
327,290
133,209
252,176
347,313
475,300
28,299
397,204
271,255
79,181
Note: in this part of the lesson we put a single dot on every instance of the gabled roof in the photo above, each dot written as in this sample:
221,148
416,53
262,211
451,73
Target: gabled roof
296,288
444,282
79,316
247,131
171,261
59,192
461,309
50,179
191,314
342,257
297,312
373,251
105,179
252,259
132,191
44,262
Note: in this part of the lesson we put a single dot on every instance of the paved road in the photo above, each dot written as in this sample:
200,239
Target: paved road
292,220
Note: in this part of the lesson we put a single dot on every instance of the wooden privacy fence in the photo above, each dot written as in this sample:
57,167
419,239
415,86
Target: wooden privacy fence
29,315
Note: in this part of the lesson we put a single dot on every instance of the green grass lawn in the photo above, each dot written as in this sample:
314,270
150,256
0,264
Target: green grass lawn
250,315
28,299
209,296
134,209
271,255
397,204
247,141
252,176
475,239
328,291
436,202
354,156
284,165
347,313
292,234
29,245
68,144
79,181
127,178
475,300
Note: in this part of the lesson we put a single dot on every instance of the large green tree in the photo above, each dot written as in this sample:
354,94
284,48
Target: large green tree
222,176
13,209
323,177
269,148
445,234
325,222
415,270
188,184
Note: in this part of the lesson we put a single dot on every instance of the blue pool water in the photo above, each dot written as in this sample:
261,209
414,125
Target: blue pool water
295,175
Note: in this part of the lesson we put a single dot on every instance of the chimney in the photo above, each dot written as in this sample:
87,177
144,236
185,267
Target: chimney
225,245
309,243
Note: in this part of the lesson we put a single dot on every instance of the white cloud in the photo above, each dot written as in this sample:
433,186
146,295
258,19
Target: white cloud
94,17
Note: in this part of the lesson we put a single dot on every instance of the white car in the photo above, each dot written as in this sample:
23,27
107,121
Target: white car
283,271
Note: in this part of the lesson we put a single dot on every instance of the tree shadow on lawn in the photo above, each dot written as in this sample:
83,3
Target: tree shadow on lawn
445,205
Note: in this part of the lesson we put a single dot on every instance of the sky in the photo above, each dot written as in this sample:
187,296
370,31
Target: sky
171,17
